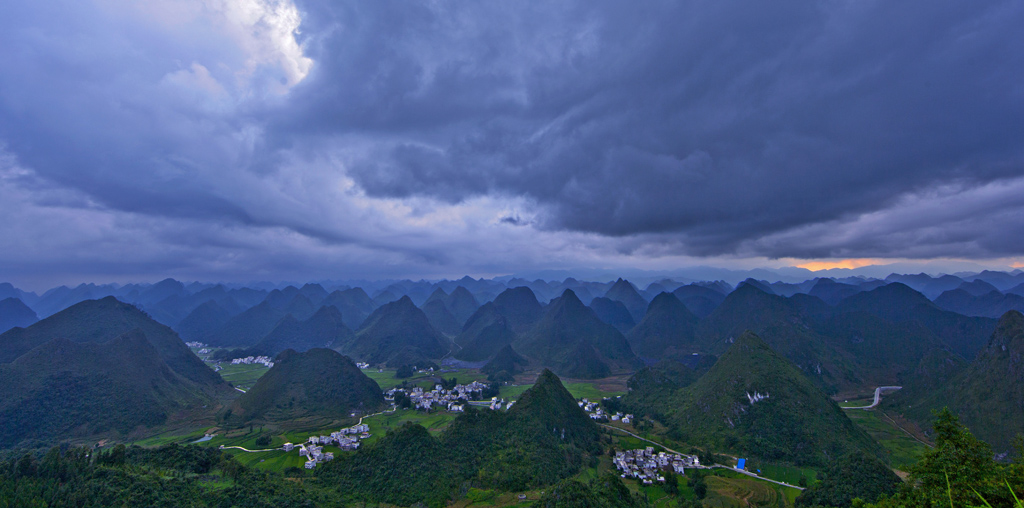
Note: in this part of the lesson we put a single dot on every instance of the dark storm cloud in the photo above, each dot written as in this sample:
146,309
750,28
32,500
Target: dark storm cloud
434,135
714,122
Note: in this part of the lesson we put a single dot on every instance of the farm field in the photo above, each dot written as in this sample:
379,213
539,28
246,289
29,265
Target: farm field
901,449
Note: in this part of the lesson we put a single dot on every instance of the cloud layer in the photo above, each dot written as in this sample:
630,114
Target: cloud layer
226,137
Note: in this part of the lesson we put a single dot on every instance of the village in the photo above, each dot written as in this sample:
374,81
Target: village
313,449
250,360
648,467
597,413
453,400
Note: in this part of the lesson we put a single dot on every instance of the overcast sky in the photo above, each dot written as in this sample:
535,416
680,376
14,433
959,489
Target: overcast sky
305,139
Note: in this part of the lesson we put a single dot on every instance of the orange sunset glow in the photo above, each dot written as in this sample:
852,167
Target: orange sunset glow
815,266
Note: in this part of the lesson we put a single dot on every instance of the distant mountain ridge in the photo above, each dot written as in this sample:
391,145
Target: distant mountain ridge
14,313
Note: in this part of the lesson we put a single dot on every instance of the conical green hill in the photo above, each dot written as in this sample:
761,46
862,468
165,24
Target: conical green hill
462,304
548,405
569,328
65,390
505,360
667,329
520,306
486,332
317,383
440,317
100,321
396,334
755,402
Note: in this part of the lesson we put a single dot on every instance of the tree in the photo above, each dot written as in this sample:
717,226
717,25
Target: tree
671,484
957,466
404,371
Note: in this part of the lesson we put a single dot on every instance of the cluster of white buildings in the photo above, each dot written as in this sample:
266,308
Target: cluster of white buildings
597,413
362,365
346,439
314,454
249,360
647,466
448,399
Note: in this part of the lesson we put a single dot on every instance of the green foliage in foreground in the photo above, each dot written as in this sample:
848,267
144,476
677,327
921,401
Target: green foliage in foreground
607,491
170,476
410,467
856,475
960,471
543,439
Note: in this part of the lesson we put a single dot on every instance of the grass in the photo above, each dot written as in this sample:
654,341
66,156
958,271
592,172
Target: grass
726,491
787,474
242,376
901,449
435,422
387,380
578,390
857,402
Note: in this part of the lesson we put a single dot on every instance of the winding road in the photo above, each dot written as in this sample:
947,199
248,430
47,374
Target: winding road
878,397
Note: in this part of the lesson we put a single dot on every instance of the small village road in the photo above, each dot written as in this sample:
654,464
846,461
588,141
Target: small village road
748,473
249,451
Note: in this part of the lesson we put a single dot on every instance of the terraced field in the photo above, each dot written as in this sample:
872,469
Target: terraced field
742,492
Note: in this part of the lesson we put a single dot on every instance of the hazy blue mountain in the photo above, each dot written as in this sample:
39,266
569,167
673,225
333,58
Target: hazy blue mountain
992,304
899,303
60,298
14,313
324,329
1000,280
247,328
7,290
623,291
614,313
355,305
978,287
701,300
832,292
520,307
930,287
384,297
202,321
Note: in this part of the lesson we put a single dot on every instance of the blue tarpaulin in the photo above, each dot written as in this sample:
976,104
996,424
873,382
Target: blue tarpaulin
741,463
